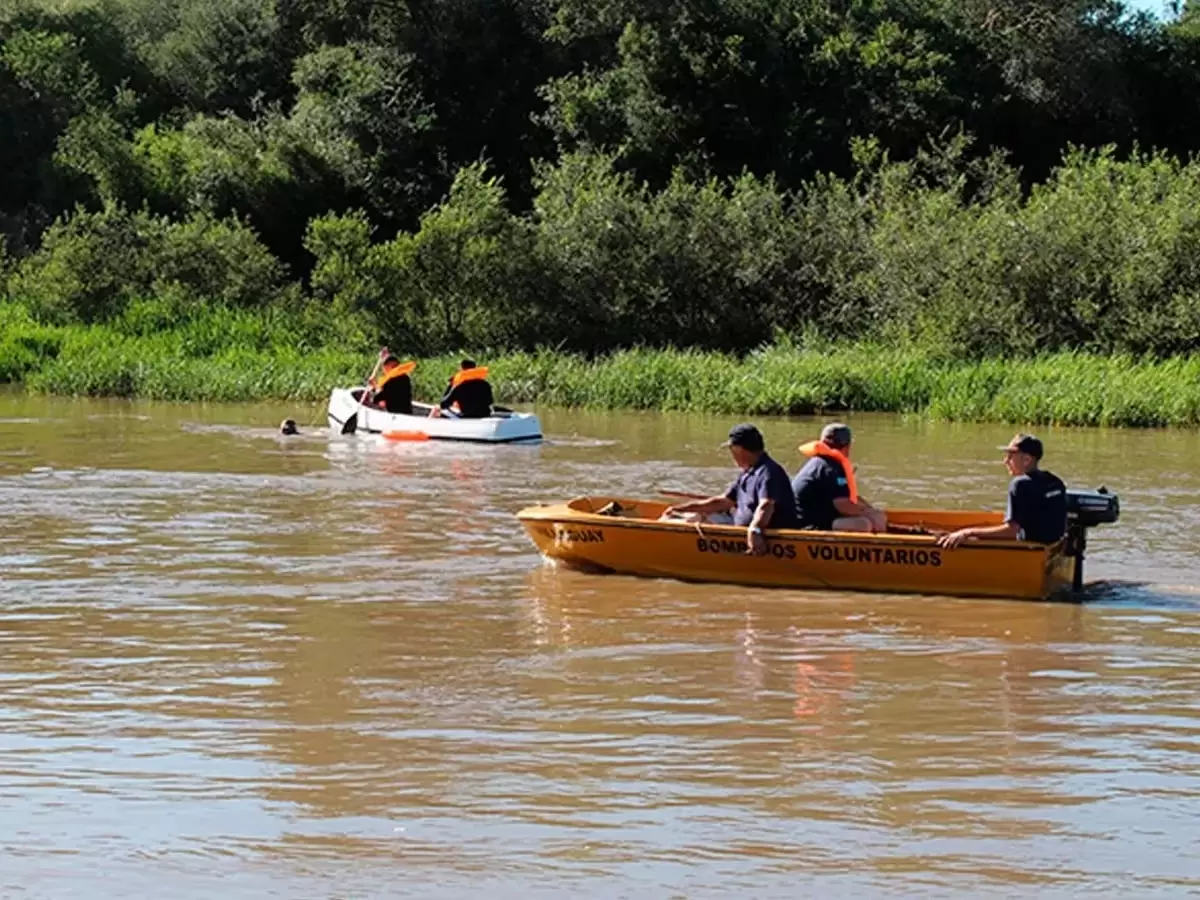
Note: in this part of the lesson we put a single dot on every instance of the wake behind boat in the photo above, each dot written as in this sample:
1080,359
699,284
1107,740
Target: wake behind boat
347,415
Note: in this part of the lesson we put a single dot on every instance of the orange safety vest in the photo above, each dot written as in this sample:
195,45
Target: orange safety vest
402,369
479,373
820,448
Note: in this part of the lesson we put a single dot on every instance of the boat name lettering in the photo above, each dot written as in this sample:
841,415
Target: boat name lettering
876,555
580,535
733,545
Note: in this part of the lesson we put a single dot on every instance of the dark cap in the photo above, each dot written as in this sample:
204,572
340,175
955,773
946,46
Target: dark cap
746,436
835,434
1024,443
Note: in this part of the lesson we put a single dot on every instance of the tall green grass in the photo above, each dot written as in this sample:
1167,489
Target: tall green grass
247,356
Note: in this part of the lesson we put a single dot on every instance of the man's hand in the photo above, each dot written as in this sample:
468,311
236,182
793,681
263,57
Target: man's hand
384,353
756,544
955,538
878,519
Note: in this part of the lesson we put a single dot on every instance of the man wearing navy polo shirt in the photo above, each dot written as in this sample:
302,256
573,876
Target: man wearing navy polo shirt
760,498
1037,500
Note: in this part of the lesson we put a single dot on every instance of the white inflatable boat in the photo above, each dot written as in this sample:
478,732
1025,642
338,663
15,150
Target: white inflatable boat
502,427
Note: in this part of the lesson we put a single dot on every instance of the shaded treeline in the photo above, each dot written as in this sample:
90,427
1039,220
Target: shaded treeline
972,177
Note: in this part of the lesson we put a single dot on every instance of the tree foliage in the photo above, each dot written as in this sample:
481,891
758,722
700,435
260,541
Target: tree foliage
979,175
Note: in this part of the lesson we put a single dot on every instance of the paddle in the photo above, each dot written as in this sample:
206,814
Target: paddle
351,423
893,528
682,494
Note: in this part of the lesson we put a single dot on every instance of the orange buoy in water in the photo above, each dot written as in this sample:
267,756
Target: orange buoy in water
406,435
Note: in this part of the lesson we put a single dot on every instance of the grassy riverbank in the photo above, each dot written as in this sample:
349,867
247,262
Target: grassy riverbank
242,358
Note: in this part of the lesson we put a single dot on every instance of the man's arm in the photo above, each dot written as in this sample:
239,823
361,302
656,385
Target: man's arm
846,507
762,514
1006,532
756,544
711,505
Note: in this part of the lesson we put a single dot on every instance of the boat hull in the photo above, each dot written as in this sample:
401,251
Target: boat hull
501,428
634,543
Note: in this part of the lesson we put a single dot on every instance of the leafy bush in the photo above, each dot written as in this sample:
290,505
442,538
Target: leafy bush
93,265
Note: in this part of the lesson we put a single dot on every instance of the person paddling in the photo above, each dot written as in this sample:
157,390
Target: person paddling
468,391
827,497
393,389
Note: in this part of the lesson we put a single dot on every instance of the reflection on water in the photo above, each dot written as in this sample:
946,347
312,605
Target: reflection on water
334,667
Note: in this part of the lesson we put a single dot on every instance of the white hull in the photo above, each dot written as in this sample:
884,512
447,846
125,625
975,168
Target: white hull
499,428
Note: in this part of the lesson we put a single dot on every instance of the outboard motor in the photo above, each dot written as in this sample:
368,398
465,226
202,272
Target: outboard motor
1087,509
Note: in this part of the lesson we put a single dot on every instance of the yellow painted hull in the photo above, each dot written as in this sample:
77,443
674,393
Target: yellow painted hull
635,543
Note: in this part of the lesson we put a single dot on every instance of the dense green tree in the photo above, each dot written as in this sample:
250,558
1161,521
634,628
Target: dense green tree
601,173
776,87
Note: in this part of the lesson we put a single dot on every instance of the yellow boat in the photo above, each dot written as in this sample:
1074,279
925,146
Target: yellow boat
616,534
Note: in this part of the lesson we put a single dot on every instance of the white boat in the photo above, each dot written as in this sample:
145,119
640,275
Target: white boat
503,426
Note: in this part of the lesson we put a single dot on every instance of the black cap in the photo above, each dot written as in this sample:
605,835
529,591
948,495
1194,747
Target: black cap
745,436
1024,443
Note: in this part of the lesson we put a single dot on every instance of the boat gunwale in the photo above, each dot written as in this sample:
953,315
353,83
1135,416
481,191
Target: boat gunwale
561,512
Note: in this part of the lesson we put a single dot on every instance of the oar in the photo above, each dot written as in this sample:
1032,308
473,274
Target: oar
682,494
920,529
351,423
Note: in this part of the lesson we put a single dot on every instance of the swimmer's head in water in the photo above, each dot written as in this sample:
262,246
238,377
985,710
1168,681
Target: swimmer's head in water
289,427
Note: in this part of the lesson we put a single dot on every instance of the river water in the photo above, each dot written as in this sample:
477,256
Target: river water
331,667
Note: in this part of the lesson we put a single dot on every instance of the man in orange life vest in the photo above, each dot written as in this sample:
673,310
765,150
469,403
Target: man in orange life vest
826,494
469,391
393,389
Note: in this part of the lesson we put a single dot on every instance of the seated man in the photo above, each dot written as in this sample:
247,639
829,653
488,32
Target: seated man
825,490
1037,500
393,389
469,391
760,498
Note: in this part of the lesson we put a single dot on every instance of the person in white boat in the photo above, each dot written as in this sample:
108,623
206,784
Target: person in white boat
468,395
393,389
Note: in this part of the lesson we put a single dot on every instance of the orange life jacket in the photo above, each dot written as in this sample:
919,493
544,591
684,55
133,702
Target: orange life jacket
820,448
479,373
402,369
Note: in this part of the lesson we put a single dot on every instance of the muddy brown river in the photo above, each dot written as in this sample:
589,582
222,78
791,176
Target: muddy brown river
236,665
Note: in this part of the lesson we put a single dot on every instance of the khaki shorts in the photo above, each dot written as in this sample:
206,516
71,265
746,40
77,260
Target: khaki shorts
705,518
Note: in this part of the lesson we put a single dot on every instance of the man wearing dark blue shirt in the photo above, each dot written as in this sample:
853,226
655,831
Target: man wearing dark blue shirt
760,498
468,392
1037,500
826,492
